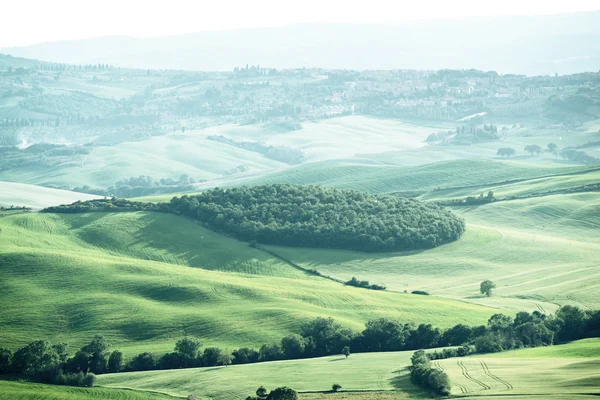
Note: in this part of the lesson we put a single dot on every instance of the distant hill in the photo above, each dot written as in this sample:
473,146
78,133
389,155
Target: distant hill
36,197
533,45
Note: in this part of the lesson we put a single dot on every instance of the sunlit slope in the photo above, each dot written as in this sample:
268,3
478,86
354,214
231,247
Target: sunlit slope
166,156
36,197
541,252
529,187
34,391
139,278
366,371
341,137
379,371
375,177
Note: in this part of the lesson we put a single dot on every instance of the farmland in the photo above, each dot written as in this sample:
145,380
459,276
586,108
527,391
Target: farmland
375,372
144,280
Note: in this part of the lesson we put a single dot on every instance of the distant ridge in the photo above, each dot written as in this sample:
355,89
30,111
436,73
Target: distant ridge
533,45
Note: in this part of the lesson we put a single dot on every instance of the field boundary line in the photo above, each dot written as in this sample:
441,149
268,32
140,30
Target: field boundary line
486,369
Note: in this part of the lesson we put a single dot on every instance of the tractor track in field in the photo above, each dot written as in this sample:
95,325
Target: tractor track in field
439,366
466,374
380,381
539,307
486,370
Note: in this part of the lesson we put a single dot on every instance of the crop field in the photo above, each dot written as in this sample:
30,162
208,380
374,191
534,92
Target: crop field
482,376
35,391
550,260
528,187
144,280
376,373
36,197
364,372
375,177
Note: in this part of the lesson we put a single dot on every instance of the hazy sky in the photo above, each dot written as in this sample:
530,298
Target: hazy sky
32,21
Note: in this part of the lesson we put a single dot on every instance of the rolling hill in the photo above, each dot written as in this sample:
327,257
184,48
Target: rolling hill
539,251
517,374
556,43
36,197
145,280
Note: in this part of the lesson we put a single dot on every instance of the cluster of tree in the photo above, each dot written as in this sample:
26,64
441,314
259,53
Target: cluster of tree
364,284
423,374
533,149
112,204
578,156
506,152
279,153
42,362
281,393
471,200
311,216
141,186
41,155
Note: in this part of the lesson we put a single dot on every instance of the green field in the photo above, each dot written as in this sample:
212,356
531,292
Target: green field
541,253
145,280
564,374
36,197
34,391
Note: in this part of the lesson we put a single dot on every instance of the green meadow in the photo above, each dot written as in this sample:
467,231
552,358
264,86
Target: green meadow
144,280
521,372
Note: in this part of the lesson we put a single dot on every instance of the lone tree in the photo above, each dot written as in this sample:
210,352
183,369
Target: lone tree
552,147
346,351
533,149
486,287
335,387
506,152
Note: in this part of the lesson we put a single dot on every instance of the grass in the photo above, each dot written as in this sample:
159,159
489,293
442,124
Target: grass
36,197
541,253
364,372
535,186
484,376
376,177
34,391
145,280
585,348
380,375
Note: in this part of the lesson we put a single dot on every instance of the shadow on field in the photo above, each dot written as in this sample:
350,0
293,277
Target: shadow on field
401,379
338,359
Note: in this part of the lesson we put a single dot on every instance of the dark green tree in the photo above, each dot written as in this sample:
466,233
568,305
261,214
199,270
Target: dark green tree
115,361
486,287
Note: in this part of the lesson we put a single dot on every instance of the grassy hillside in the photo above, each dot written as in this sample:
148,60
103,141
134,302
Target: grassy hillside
144,280
34,391
585,348
528,187
368,371
375,372
36,197
541,252
375,177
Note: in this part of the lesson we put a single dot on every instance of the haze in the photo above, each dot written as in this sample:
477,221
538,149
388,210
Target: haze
68,19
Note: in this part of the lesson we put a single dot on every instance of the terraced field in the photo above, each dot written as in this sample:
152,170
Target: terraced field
145,280
541,253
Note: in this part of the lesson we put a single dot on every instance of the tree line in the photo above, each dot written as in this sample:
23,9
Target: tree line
48,363
306,216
